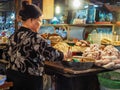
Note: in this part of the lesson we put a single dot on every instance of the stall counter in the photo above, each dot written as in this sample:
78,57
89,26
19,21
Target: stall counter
70,79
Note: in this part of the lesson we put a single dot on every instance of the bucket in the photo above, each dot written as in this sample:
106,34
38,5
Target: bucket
106,83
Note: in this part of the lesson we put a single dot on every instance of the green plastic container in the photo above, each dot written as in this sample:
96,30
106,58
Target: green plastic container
108,83
104,88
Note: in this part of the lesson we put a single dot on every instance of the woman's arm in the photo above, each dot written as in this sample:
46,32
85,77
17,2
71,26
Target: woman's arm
48,51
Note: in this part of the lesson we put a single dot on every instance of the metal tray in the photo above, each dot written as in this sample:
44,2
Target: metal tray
78,65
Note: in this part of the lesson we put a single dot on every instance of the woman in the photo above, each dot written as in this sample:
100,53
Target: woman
27,51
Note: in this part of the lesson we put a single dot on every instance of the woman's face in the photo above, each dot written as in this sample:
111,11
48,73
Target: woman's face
36,23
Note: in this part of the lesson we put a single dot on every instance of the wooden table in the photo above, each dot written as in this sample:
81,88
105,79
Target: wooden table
59,68
3,64
69,79
6,86
2,47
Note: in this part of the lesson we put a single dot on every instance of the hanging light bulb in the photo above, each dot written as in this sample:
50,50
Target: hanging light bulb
76,3
57,10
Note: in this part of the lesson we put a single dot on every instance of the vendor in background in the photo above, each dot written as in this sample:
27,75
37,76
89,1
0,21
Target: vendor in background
115,11
63,19
27,51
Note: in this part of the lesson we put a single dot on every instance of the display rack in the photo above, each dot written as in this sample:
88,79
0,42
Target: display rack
87,26
95,25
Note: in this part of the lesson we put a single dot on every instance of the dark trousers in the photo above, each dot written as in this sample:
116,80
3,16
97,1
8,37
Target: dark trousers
23,81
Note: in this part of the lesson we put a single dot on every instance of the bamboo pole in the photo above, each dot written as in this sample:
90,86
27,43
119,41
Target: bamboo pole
16,11
30,1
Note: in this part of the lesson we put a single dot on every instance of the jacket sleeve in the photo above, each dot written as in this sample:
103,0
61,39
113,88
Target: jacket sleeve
48,51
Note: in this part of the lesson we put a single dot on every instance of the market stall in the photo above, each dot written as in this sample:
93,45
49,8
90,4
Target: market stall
80,72
70,79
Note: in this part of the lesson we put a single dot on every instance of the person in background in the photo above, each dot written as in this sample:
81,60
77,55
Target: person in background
27,51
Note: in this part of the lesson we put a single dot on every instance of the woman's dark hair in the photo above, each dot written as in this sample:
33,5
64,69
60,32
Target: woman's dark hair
29,11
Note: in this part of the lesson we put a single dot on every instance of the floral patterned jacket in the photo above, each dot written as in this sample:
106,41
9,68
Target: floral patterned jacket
27,52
